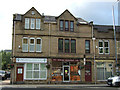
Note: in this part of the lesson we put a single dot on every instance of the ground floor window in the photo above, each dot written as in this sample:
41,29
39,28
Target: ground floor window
104,70
35,71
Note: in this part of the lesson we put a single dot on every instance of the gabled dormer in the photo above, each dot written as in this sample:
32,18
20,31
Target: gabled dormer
32,20
66,21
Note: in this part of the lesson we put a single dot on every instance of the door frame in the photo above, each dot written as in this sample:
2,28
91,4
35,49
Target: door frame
63,73
22,73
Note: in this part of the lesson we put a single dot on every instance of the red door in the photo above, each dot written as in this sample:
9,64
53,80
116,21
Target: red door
19,74
88,73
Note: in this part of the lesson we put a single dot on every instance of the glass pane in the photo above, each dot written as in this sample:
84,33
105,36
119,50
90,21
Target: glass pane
61,25
60,45
37,23
29,67
66,25
38,47
42,66
38,41
106,44
42,74
32,47
32,23
28,74
31,41
100,44
106,50
71,26
73,46
36,66
67,46
25,41
24,47
36,74
100,50
26,23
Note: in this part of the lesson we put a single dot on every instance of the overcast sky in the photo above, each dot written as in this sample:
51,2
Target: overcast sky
98,11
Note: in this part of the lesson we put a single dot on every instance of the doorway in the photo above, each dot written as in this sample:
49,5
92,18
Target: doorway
19,72
66,73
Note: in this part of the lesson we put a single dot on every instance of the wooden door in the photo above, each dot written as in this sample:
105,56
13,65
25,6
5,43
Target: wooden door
88,72
19,74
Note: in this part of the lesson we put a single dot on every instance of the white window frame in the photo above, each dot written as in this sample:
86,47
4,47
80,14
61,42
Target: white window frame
31,45
27,22
107,47
101,47
25,67
40,45
38,22
32,25
26,44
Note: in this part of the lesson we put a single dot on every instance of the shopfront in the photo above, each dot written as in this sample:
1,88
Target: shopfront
66,70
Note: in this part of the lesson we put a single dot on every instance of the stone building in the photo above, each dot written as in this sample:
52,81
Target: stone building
50,49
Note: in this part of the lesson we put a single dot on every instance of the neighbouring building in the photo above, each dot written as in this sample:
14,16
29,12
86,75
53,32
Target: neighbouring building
50,49
104,43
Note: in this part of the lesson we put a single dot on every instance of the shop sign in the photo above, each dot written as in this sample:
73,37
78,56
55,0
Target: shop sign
31,60
66,60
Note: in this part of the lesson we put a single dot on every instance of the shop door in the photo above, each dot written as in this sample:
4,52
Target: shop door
19,74
88,73
66,73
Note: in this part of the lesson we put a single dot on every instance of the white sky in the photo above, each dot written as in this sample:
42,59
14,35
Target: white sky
100,11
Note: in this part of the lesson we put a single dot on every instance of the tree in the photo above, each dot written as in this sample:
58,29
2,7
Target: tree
6,59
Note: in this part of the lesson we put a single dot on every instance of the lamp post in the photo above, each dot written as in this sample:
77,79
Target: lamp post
114,34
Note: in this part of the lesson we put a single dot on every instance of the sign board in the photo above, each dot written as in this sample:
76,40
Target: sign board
31,60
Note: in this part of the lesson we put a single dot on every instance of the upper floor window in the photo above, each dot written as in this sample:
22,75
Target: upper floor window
31,23
60,45
38,45
73,46
25,44
66,25
61,25
103,47
67,46
87,46
37,23
32,45
71,26
26,23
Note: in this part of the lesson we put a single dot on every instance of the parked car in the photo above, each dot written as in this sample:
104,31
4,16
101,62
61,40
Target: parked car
114,80
3,75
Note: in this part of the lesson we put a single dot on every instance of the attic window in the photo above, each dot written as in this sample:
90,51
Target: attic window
33,13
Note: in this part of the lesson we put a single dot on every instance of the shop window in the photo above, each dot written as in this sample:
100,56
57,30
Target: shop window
25,44
35,71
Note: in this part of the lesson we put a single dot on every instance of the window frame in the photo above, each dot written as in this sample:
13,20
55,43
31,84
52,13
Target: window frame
101,47
38,25
66,23
59,45
87,51
26,44
106,47
65,45
62,25
72,29
27,23
71,46
32,23
39,44
31,44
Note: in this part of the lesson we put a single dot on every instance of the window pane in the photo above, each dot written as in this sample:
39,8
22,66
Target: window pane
106,44
31,41
101,50
36,66
106,50
29,67
38,41
61,25
100,44
28,74
87,46
42,74
37,23
66,46
42,66
66,25
25,41
60,45
73,46
26,23
36,74
25,45
71,26
32,46
32,23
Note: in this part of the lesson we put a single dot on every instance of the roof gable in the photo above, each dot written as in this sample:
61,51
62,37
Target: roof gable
35,12
68,12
